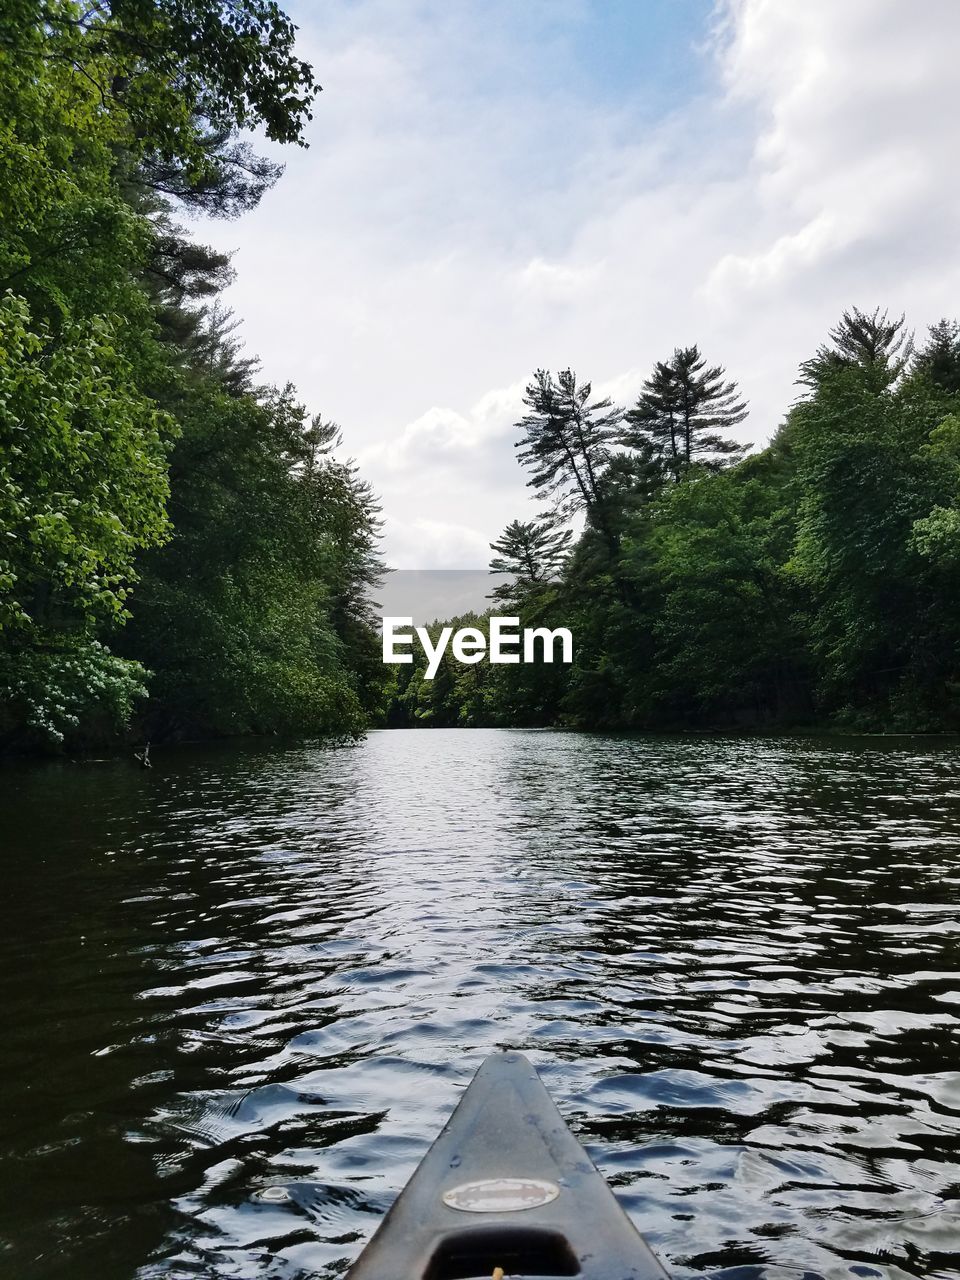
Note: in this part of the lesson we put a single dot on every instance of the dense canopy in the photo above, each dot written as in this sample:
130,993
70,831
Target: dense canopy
168,525
184,552
813,583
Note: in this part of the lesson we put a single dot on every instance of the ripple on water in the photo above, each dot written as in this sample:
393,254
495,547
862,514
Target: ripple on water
733,962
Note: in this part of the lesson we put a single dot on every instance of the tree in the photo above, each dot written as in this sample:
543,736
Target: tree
346,515
177,79
142,471
567,443
939,358
681,413
82,474
876,473
245,615
532,553
874,343
728,641
83,478
936,535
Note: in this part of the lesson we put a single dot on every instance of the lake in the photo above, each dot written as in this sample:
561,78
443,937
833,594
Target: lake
243,991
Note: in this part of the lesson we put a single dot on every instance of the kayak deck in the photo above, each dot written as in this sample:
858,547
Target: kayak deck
506,1187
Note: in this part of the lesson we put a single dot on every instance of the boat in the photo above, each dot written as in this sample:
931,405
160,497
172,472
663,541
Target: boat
506,1190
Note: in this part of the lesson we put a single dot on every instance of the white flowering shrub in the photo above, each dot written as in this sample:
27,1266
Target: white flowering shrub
77,693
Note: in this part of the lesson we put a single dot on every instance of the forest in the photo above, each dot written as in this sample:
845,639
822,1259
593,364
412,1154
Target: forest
813,584
184,553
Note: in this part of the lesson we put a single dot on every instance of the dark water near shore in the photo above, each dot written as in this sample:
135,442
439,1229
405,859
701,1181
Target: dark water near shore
734,962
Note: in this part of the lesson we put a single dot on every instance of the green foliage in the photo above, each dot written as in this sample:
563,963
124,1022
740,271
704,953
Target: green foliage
878,348
453,698
68,241
725,632
532,553
936,536
566,442
172,81
683,413
481,694
236,615
815,582
82,473
75,690
938,361
143,475
875,472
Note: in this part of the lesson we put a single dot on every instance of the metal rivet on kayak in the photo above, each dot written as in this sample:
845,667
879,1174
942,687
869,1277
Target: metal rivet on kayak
275,1195
501,1195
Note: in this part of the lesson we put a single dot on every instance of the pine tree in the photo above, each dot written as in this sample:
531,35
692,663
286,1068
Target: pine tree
681,412
566,441
567,447
345,508
939,359
654,422
874,343
532,552
230,180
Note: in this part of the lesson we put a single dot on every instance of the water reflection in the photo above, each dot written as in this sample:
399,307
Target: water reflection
734,963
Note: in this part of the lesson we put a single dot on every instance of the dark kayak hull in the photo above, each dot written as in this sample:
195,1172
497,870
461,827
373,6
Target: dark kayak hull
506,1185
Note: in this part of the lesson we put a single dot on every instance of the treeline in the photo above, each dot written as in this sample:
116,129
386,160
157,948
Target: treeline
815,582
168,526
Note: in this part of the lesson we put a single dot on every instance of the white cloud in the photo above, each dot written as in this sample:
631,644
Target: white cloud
558,281
462,218
853,118
435,544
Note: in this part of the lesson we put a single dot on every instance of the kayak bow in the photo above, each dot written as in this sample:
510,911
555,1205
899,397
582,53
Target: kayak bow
506,1189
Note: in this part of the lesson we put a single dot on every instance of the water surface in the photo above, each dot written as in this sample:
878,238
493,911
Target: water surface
734,963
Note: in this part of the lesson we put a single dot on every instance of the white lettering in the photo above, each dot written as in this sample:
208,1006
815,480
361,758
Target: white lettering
548,638
390,639
433,654
499,637
469,645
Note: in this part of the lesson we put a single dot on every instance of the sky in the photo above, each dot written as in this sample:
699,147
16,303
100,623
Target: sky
492,188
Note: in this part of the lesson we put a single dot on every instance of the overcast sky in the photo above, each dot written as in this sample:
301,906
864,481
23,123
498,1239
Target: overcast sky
500,185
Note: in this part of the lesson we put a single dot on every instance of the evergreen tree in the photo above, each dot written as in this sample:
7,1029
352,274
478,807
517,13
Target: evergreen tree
346,511
567,442
939,358
654,421
683,411
633,478
531,552
874,343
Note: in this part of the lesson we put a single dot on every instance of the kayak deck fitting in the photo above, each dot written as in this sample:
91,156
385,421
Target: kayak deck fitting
506,1189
